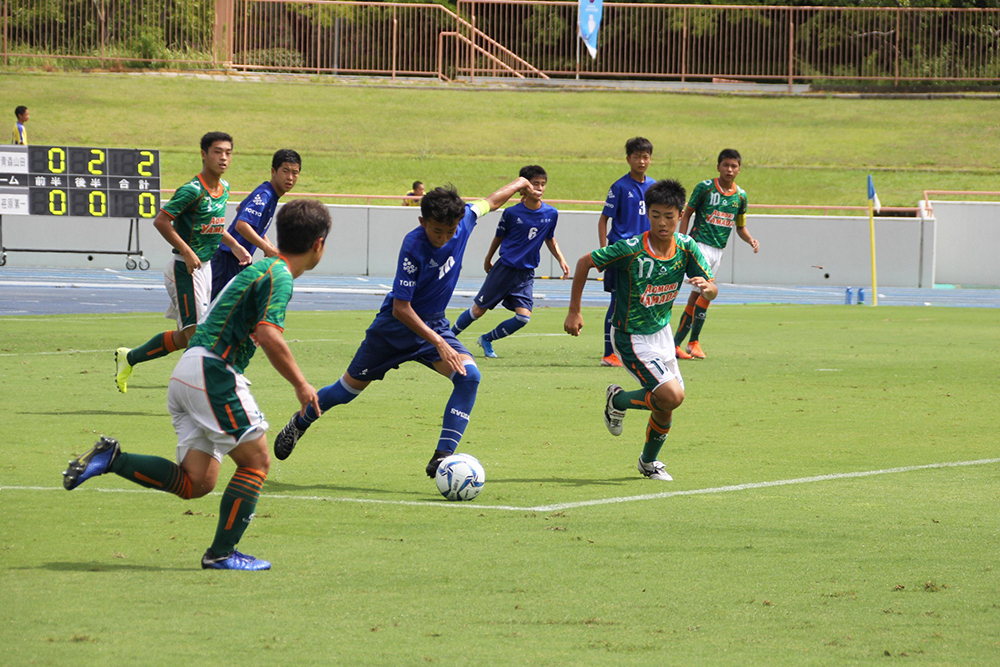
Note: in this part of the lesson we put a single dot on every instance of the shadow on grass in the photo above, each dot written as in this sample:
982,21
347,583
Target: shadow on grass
92,413
95,566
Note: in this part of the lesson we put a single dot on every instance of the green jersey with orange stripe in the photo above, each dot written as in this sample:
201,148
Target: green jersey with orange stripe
199,215
647,284
258,295
716,212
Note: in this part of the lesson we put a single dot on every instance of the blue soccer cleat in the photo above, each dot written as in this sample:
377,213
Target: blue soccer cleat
95,462
487,347
234,561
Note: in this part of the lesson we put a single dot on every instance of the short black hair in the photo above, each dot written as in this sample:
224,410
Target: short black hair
415,184
300,223
212,137
443,205
638,145
669,192
730,154
19,110
532,170
285,155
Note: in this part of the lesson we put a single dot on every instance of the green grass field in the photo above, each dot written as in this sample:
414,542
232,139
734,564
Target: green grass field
568,557
378,140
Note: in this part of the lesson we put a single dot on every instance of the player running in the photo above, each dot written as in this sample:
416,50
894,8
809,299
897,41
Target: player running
209,400
522,229
193,222
718,205
411,325
649,272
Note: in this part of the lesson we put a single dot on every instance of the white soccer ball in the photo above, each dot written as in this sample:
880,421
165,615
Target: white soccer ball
460,477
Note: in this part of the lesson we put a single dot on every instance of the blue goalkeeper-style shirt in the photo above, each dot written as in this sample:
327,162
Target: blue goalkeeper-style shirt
257,210
523,231
626,206
426,276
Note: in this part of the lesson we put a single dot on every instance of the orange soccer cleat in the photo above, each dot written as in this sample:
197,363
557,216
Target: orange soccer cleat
694,349
611,360
681,354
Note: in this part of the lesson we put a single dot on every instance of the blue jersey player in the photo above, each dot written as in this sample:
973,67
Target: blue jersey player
522,230
411,326
253,218
626,208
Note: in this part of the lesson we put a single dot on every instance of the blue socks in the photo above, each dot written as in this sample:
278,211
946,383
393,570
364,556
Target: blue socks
337,393
507,327
463,322
456,413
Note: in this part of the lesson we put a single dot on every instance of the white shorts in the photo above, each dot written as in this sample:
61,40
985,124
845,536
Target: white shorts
713,256
211,406
650,359
202,293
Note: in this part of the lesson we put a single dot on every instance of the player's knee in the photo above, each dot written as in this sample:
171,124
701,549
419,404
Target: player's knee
523,319
668,397
472,375
476,311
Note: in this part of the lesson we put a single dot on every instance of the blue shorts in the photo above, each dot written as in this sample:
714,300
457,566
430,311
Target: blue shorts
389,343
513,287
225,266
609,281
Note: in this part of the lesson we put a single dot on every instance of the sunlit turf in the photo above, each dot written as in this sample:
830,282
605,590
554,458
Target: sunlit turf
847,571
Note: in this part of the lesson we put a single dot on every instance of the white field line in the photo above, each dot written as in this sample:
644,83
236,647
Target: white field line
583,503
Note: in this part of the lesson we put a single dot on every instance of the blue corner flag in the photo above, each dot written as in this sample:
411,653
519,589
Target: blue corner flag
589,21
872,195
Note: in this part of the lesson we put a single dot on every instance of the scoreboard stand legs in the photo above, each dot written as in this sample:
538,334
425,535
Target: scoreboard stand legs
131,263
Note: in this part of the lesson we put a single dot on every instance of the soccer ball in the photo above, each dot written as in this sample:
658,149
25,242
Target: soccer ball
460,477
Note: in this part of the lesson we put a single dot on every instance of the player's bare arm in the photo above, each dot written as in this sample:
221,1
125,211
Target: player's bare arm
574,318
602,230
250,234
488,264
270,338
745,235
709,290
554,249
403,311
500,197
682,226
238,251
165,225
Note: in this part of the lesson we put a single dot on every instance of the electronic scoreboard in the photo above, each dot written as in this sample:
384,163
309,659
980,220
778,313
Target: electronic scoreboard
79,182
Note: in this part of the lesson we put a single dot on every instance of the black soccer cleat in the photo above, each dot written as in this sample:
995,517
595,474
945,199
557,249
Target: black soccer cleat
287,438
432,465
96,461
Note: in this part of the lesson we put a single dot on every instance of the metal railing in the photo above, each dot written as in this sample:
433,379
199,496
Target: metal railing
508,38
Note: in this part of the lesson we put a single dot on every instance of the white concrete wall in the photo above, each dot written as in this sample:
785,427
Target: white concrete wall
365,241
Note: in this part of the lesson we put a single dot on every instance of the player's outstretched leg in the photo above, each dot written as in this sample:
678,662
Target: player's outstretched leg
502,330
456,414
97,461
463,322
698,321
613,416
123,369
337,393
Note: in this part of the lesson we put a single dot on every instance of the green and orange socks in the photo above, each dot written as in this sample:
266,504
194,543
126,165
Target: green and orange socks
239,501
153,472
656,435
158,346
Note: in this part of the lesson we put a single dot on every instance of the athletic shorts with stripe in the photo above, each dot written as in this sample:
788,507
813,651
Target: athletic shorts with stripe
650,359
713,256
190,293
211,406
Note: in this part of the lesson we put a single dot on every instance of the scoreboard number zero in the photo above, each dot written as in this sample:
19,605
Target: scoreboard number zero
82,182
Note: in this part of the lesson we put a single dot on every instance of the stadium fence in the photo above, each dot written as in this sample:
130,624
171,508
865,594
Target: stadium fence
509,39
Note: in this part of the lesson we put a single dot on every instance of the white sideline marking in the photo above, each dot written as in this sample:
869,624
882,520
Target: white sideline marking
583,503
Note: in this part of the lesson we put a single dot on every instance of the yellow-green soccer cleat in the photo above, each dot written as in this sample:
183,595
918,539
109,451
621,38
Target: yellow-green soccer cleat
123,368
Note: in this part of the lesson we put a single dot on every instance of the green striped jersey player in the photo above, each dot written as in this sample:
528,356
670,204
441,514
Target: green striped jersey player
649,271
718,206
199,215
